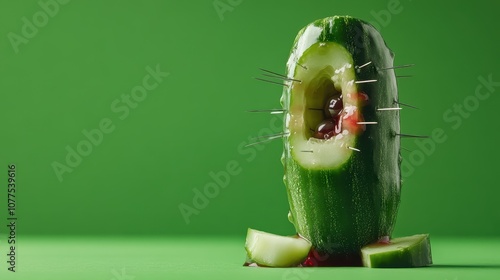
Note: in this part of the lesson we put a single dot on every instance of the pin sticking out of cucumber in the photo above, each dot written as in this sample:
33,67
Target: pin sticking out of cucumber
341,152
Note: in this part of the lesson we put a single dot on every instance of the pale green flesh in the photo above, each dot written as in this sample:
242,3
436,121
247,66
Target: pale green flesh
411,251
330,69
274,250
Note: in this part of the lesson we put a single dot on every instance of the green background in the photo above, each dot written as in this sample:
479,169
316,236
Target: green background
64,79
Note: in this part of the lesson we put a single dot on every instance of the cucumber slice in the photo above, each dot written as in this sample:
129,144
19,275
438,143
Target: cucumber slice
272,250
411,251
342,175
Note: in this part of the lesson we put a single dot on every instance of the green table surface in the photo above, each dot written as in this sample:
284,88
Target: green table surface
121,258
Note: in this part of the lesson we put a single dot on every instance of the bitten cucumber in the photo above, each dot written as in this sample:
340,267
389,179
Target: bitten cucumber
411,251
341,155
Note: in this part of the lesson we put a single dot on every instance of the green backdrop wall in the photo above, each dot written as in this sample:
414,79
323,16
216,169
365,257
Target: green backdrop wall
118,114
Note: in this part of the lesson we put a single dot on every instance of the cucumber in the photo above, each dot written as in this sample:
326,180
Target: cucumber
266,249
342,174
411,251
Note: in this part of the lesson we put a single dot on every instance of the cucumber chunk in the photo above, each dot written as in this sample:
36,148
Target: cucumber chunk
273,250
411,251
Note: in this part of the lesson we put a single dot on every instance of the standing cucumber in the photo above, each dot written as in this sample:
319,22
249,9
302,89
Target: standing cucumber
341,151
341,154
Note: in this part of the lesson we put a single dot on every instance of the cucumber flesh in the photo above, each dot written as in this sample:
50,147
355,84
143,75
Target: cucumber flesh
266,249
330,71
411,251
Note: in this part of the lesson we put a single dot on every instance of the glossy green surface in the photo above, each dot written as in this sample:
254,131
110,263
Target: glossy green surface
74,258
343,209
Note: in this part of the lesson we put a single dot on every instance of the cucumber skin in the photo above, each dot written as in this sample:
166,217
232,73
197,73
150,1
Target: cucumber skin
342,210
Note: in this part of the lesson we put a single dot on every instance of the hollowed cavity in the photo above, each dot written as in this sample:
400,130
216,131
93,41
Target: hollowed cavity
323,116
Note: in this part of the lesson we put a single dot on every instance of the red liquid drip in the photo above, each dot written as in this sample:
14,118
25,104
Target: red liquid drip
317,259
